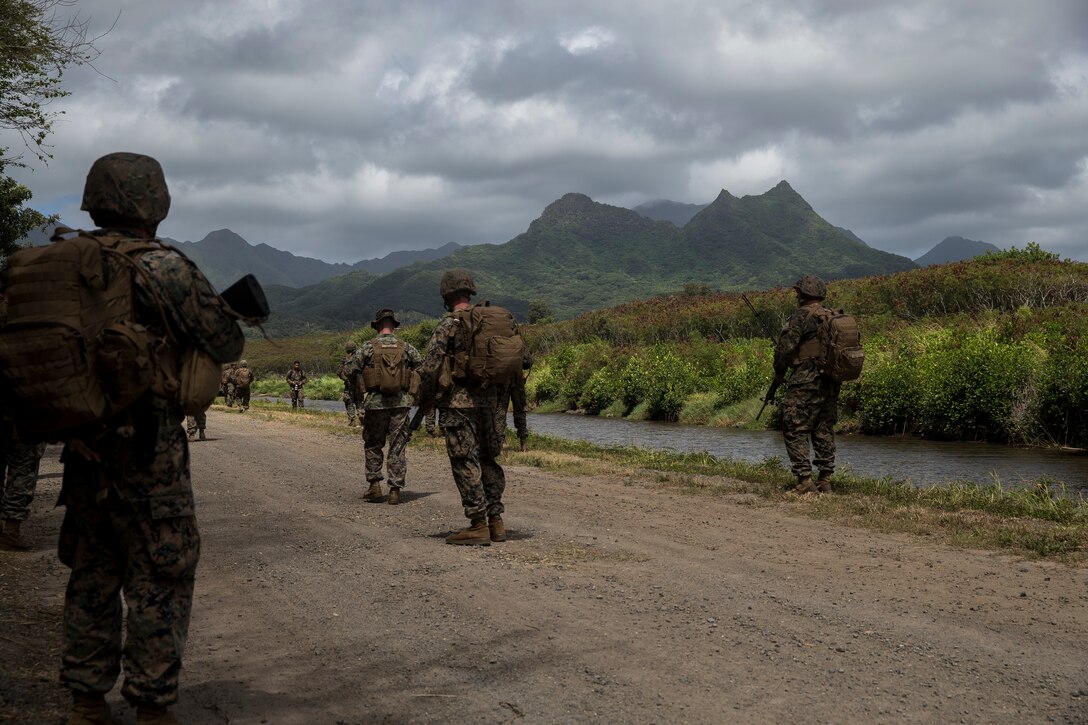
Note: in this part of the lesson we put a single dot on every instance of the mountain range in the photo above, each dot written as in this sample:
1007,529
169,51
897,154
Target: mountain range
581,255
577,256
225,256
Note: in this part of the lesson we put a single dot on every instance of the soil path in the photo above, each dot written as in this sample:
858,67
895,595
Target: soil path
615,600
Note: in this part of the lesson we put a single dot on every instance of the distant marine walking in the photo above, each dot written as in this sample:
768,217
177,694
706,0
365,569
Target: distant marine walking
386,368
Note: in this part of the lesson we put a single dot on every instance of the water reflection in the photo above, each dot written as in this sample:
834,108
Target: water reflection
924,463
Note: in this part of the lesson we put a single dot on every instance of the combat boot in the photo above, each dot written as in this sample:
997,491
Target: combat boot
823,483
90,710
192,436
374,492
805,485
202,436
495,528
151,715
475,535
353,423
394,495
10,538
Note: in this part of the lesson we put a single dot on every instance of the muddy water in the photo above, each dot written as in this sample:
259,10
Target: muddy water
922,462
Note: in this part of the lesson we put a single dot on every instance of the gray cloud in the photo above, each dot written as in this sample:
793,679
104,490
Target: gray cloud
346,130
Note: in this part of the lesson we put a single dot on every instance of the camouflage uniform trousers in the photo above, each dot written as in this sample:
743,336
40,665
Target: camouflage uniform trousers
140,542
241,396
351,405
231,391
298,398
378,423
193,423
430,422
22,462
474,438
809,411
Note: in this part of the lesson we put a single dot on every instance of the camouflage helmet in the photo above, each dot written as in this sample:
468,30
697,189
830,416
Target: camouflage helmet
811,286
131,186
382,314
351,346
456,280
243,364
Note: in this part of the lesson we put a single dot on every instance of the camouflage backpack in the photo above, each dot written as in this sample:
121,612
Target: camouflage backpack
837,345
243,377
387,371
71,351
494,351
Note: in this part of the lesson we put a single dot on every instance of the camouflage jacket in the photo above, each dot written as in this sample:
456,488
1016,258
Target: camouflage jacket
295,376
343,370
377,400
801,326
445,341
196,314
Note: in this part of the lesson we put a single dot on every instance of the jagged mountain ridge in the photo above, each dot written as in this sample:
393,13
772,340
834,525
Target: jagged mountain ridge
581,255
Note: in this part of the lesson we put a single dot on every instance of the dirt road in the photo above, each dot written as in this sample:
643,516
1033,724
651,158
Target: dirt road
615,600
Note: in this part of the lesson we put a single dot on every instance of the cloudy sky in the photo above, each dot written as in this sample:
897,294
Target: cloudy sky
346,129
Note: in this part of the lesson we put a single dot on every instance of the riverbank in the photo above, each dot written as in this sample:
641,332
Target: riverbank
1032,522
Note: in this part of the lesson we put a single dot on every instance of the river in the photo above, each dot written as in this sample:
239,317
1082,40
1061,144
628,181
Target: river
922,462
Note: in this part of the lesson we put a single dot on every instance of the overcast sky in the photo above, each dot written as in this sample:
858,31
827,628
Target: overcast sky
346,129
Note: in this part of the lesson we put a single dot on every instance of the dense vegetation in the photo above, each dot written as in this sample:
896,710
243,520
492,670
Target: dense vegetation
993,349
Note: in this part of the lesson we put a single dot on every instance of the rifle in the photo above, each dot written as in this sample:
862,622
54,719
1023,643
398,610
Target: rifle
771,391
399,440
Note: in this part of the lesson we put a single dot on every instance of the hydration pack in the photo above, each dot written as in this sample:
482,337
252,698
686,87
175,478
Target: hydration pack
494,350
387,371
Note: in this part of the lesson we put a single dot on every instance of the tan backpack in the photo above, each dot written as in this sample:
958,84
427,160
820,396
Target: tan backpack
495,351
387,371
837,345
243,377
71,352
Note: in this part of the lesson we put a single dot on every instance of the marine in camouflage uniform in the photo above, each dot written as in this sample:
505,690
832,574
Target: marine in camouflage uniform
383,413
242,390
430,422
810,405
19,464
512,398
130,527
195,424
294,377
350,395
228,383
470,420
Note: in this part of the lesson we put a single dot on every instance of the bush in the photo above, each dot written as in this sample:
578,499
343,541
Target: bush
600,391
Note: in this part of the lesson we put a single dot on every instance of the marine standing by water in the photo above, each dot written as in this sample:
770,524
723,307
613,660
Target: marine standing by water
387,369
296,381
810,406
